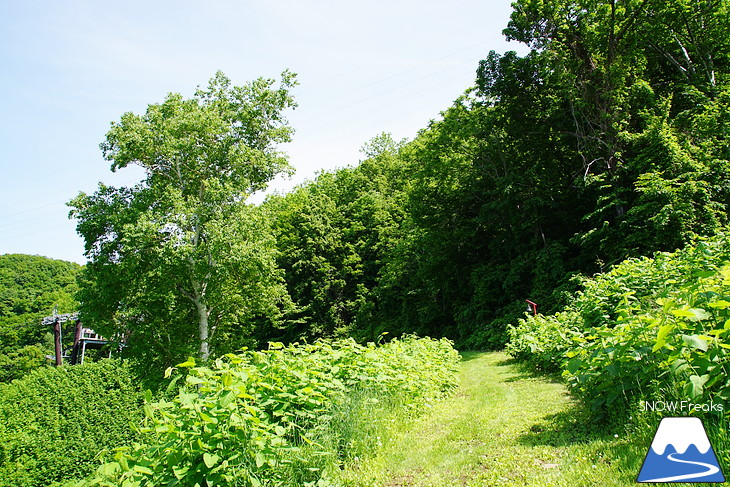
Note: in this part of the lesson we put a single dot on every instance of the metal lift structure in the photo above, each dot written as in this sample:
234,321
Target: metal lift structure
84,339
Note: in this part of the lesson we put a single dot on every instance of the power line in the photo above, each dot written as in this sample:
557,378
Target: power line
53,203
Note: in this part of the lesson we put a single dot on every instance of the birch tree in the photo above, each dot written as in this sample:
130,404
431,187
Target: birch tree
181,261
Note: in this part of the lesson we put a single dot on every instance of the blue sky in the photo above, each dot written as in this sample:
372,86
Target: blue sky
70,68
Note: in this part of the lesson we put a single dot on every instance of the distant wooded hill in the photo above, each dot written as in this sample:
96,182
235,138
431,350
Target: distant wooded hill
30,287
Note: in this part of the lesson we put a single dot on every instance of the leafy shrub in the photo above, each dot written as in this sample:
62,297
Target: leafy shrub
274,417
649,327
54,421
674,342
542,341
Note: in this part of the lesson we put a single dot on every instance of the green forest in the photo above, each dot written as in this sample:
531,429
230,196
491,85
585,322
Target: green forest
589,176
30,288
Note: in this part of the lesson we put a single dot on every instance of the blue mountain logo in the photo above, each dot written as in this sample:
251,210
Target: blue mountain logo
681,452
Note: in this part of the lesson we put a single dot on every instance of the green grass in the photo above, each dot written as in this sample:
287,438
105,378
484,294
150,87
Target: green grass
504,426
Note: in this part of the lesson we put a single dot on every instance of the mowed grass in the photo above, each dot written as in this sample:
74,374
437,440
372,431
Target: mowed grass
504,426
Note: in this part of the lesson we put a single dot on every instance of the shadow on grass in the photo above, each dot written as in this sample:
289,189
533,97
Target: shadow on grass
599,440
527,372
524,371
471,355
507,362
566,428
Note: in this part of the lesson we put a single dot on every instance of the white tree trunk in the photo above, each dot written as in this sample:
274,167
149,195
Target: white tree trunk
203,313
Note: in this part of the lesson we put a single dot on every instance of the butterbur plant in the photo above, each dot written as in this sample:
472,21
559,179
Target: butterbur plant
542,341
693,335
213,432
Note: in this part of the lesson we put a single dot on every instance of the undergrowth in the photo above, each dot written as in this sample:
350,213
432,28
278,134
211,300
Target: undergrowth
649,327
650,331
281,416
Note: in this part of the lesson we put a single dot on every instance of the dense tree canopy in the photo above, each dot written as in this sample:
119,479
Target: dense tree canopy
607,140
333,235
642,79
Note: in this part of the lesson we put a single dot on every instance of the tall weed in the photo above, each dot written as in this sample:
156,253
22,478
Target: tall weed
277,417
648,326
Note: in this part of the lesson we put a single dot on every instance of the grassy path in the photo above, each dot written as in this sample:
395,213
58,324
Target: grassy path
502,427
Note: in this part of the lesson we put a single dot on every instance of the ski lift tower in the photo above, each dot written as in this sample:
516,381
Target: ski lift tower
84,338
57,320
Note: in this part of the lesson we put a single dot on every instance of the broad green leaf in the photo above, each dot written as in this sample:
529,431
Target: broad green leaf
144,470
661,338
227,398
172,383
695,386
699,314
109,469
210,460
721,304
678,366
180,471
191,379
208,419
574,365
695,341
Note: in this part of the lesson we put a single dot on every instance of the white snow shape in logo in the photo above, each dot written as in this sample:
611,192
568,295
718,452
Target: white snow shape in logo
680,432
